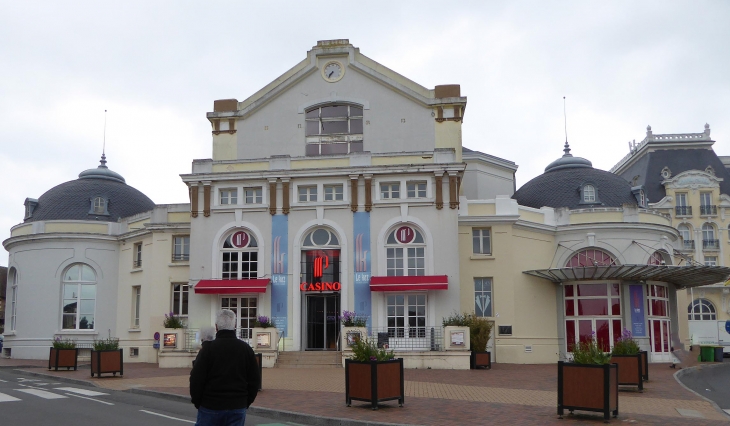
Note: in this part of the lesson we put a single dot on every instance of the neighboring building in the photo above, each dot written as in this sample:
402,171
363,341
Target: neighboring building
682,177
107,248
3,290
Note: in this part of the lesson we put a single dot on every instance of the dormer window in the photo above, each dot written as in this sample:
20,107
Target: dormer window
589,194
30,205
334,129
99,206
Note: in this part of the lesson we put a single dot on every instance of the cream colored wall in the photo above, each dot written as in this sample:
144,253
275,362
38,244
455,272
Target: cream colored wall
448,135
593,217
401,159
481,209
155,278
179,217
526,303
653,218
21,230
92,228
321,163
241,167
532,216
225,146
138,224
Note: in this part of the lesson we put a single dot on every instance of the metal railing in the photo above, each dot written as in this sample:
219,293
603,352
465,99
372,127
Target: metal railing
409,338
683,210
711,244
708,210
178,257
688,244
137,263
190,340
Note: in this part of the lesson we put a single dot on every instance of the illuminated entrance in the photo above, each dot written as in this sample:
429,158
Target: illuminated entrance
320,287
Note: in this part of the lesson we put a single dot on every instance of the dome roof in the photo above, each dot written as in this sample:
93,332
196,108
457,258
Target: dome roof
562,186
74,200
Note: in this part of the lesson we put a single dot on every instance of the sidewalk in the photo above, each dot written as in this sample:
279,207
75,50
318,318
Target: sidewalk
507,394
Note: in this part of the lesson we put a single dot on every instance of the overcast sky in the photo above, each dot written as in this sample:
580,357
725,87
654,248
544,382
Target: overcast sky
157,67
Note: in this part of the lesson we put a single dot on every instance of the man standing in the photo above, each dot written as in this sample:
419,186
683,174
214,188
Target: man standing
225,377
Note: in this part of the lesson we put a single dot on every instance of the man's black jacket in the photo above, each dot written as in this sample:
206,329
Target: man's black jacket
225,375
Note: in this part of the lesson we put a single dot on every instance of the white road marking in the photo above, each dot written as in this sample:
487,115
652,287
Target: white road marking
82,391
41,384
42,393
7,398
167,417
90,399
23,379
4,381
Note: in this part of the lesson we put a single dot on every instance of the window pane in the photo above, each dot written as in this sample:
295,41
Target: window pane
87,274
592,290
593,307
312,128
585,330
87,307
615,306
70,291
334,148
313,113
570,334
355,111
569,309
356,126
69,306
72,274
330,127
86,322
312,149
88,291
568,291
69,321
356,146
602,335
334,111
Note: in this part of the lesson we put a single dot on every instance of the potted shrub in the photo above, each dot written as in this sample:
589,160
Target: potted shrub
373,375
63,354
171,331
106,357
353,328
589,382
264,335
627,354
480,330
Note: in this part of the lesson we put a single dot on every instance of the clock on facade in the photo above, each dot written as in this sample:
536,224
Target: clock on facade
333,71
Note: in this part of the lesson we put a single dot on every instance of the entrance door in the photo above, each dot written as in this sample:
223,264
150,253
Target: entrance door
322,321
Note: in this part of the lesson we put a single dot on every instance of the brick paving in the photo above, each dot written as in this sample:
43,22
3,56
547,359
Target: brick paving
507,394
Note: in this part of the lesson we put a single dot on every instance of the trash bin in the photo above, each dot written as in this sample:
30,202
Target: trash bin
707,353
718,353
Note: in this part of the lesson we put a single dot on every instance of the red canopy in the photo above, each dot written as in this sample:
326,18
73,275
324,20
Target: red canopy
256,285
418,282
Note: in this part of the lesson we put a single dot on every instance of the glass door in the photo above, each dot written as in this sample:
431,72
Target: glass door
322,321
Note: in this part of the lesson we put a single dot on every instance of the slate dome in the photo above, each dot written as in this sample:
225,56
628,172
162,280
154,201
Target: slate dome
74,200
561,186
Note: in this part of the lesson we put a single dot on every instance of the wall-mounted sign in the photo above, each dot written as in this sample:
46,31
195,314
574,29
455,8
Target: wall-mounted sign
156,345
405,234
263,340
240,239
157,335
636,295
727,326
170,340
457,338
320,264
352,337
320,286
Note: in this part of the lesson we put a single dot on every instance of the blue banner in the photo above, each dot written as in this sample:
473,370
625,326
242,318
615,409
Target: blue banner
279,271
636,295
361,227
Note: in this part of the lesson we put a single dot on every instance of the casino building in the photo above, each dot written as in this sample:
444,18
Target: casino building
344,186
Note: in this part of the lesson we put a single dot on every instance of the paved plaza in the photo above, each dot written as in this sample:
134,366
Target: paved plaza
506,394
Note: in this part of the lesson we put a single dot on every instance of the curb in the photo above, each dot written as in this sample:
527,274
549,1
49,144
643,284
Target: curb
272,413
685,371
59,378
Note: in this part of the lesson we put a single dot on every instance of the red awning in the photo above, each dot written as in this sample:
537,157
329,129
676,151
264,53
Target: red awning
232,286
419,282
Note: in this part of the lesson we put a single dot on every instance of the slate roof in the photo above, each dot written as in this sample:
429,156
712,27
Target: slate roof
649,168
72,200
560,186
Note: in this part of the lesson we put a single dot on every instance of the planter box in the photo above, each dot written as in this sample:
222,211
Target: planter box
374,381
644,365
630,371
481,359
63,358
107,362
588,388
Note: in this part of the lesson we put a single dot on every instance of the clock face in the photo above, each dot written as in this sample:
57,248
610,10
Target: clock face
332,71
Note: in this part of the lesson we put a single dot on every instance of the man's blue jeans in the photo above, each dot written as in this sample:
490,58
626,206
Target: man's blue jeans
208,417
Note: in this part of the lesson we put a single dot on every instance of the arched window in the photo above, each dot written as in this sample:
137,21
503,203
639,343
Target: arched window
685,232
13,282
99,205
320,257
79,297
240,256
709,238
589,194
334,129
657,258
701,310
405,252
591,257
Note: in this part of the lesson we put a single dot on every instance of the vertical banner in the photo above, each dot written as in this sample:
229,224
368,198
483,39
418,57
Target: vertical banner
361,228
280,271
636,295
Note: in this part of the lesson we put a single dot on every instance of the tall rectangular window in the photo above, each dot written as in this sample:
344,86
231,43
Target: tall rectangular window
181,248
681,199
389,191
13,298
136,302
416,189
137,255
229,196
705,198
481,240
406,315
307,194
333,193
180,300
483,297
710,260
253,195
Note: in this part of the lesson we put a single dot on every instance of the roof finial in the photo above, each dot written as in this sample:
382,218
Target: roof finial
103,147
566,148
